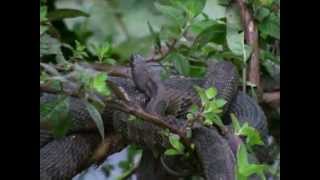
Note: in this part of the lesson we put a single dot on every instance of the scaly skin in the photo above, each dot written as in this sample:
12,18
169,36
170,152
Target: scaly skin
149,135
63,158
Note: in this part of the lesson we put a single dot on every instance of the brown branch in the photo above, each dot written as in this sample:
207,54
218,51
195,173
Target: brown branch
272,98
130,108
114,70
252,38
170,48
140,113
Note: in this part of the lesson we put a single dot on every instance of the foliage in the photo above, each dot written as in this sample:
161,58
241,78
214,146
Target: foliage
211,107
177,147
252,135
181,34
129,165
244,168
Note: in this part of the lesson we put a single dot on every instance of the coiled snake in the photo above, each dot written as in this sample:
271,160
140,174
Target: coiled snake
63,158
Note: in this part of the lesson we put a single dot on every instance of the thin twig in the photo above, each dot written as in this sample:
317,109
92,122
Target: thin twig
171,46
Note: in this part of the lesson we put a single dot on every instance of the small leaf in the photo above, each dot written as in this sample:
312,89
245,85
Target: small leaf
171,152
211,92
202,94
96,117
192,7
235,123
214,118
66,13
100,85
253,169
43,13
175,142
253,136
242,157
220,103
56,113
194,108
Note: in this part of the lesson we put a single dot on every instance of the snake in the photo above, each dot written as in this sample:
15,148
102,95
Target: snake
171,96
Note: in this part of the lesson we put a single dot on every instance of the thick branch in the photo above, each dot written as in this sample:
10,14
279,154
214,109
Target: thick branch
133,109
140,113
252,38
272,98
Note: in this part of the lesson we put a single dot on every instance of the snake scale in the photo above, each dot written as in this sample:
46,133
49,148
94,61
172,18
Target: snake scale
71,153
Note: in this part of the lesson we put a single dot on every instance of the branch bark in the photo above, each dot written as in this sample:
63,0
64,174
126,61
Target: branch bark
252,38
272,98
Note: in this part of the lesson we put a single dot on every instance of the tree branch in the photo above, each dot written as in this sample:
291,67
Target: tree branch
272,98
252,38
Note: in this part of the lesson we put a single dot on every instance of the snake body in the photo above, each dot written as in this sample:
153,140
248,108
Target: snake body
179,93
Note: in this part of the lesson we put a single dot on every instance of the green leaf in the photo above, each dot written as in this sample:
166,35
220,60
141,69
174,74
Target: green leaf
270,26
235,123
213,118
202,95
233,18
220,103
66,13
103,51
43,13
192,7
197,71
262,13
171,152
215,33
253,136
56,113
100,85
180,62
51,46
175,142
96,117
266,2
171,12
43,29
194,108
253,169
235,41
211,92
199,26
242,157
